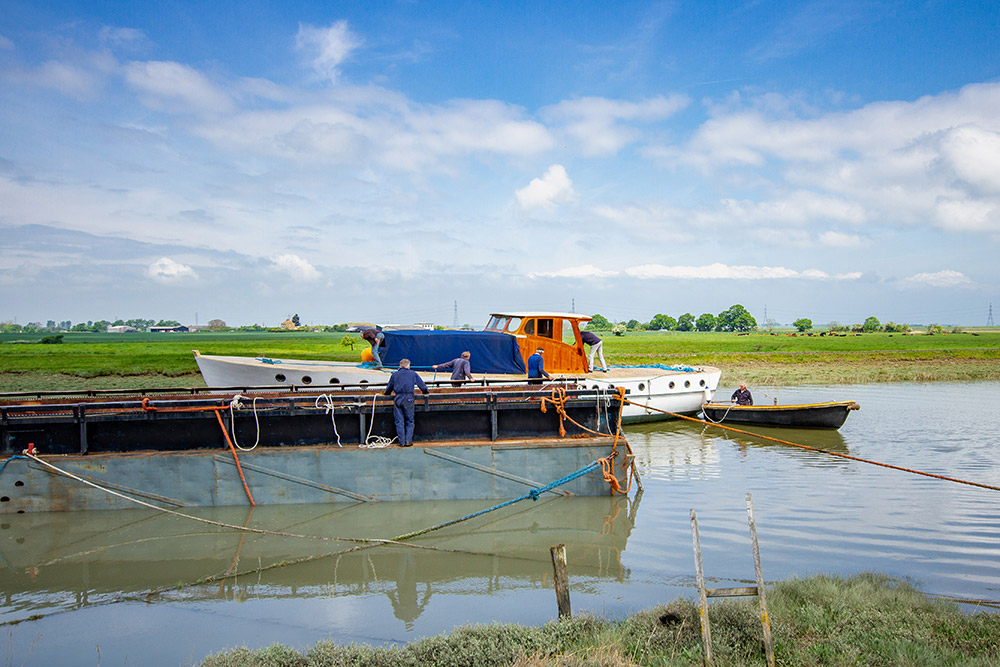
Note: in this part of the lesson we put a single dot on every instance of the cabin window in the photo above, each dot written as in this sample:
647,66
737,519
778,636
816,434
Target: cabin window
529,327
568,335
280,377
493,323
545,328
306,379
515,322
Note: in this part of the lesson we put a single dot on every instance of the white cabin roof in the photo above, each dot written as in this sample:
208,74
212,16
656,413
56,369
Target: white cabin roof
531,313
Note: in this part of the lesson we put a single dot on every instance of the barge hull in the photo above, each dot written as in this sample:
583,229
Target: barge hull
293,475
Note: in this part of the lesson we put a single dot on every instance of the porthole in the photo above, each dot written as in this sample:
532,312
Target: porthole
5,499
671,384
687,383
306,379
334,380
642,386
19,483
280,377
702,383
364,382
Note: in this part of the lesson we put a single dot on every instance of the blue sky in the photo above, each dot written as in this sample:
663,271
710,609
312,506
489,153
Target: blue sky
383,161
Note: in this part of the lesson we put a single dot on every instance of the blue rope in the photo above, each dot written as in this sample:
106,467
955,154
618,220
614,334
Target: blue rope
533,494
16,456
662,367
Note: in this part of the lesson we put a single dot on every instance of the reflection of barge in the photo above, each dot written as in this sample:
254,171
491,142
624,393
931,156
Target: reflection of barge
62,560
179,451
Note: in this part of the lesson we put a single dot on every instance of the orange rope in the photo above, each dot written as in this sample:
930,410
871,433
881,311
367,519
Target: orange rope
821,451
218,415
239,468
558,400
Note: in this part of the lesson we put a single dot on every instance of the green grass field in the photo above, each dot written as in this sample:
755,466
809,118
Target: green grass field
109,361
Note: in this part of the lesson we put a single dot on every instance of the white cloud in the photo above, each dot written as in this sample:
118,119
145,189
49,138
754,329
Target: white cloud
719,271
968,215
940,279
389,131
840,240
887,162
973,154
546,192
596,122
296,267
171,86
6,44
585,271
327,47
166,270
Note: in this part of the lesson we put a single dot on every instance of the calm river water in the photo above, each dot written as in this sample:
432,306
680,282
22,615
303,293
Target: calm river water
92,576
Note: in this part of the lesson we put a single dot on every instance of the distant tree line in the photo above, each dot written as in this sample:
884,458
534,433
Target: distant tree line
737,319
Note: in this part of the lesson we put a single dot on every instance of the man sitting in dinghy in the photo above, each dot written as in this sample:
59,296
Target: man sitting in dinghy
742,395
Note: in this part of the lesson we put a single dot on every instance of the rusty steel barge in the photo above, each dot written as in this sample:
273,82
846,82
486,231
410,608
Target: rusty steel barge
172,451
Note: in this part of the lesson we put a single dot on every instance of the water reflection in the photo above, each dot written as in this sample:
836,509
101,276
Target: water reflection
814,513
54,561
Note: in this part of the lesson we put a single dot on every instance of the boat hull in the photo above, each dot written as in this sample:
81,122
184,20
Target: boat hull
659,392
812,415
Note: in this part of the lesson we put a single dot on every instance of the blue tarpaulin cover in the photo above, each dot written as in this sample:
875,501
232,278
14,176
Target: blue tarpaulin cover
492,352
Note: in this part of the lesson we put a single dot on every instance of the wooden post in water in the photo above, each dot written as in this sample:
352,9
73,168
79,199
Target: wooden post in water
765,621
706,633
561,579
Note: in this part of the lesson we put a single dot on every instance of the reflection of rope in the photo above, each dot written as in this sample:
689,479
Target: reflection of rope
816,449
329,406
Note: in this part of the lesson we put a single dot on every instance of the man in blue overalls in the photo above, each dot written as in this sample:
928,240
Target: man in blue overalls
404,383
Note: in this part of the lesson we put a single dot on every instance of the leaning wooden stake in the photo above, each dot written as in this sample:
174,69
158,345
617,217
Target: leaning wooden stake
706,633
765,621
561,580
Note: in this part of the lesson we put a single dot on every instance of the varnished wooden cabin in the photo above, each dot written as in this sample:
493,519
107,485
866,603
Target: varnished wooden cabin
556,333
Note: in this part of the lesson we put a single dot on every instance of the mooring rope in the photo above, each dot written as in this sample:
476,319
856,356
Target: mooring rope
379,441
12,458
329,405
533,494
707,418
238,405
821,451
211,522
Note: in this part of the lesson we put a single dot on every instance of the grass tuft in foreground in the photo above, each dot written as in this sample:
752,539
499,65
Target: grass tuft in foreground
867,619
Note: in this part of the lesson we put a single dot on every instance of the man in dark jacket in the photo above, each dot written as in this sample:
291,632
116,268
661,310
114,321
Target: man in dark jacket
742,395
536,367
375,337
596,347
462,368
404,383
